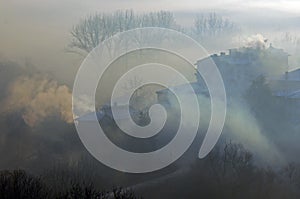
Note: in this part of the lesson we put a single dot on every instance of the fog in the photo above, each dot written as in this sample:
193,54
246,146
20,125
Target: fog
36,32
259,145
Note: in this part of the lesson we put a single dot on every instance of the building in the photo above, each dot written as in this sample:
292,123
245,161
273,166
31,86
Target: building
105,111
239,67
286,84
168,99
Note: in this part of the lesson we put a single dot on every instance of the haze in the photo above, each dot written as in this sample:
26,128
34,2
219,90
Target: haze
37,32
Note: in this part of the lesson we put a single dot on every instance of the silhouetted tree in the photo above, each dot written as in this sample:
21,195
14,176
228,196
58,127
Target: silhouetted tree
266,107
19,185
89,32
212,25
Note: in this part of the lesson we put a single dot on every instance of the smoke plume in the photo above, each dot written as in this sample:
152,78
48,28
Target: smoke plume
243,128
38,97
257,41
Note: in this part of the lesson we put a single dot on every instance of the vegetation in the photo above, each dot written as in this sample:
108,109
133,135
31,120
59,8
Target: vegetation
212,25
96,28
56,165
268,108
92,30
18,184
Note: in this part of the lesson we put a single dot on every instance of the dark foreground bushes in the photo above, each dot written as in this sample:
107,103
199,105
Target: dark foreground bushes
230,172
18,184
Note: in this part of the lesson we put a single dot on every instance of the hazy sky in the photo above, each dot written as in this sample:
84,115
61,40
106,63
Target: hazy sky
38,30
77,6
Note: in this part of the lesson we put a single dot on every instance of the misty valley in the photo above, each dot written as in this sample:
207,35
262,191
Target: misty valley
44,154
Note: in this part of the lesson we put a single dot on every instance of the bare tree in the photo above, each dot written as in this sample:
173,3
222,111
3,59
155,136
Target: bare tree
89,32
231,167
212,25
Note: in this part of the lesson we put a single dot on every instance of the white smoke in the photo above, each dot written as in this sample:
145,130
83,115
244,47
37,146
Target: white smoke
257,41
243,128
83,105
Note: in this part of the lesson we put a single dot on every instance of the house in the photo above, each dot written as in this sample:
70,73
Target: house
286,88
105,111
168,99
241,66
285,84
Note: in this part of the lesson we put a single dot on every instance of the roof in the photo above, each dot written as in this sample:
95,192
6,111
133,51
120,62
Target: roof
277,51
121,112
91,116
293,75
106,111
244,52
183,89
290,95
294,95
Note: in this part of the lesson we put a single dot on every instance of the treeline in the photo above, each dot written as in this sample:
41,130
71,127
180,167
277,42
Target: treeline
18,184
92,30
230,171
